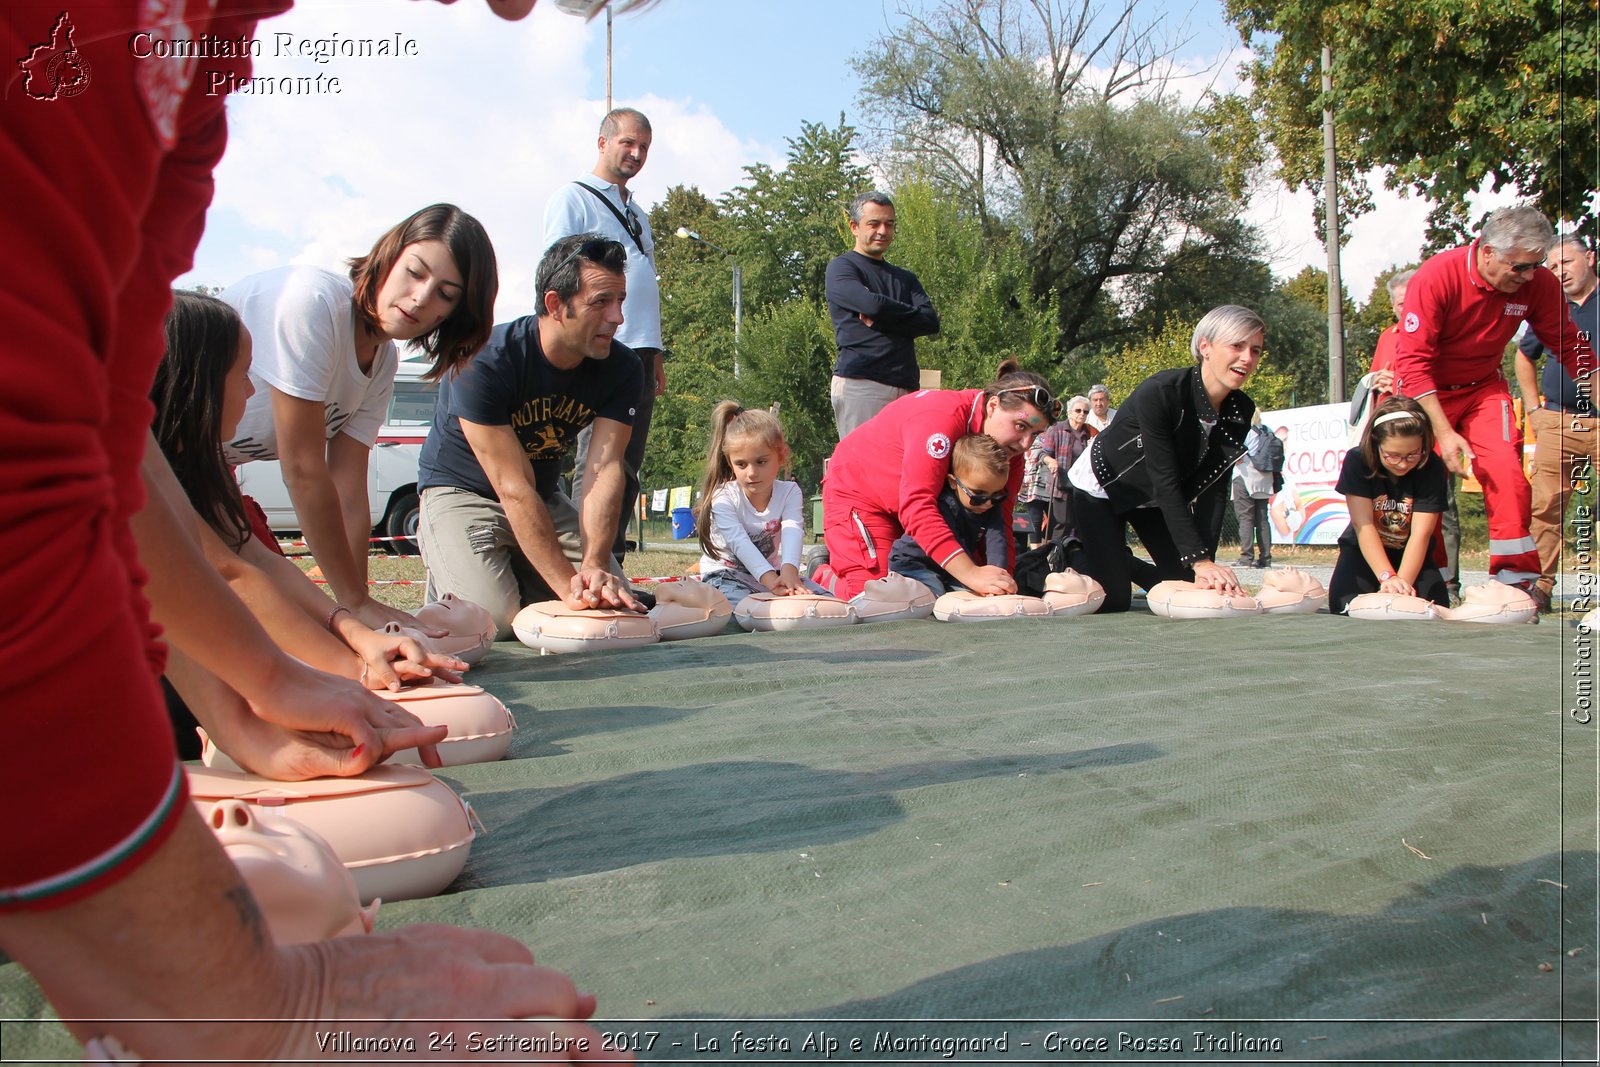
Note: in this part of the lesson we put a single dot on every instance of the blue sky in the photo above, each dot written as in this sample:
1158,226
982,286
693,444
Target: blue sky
494,116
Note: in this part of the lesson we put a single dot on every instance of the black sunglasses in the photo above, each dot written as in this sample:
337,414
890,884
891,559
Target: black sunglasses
1519,268
631,221
1040,397
595,250
975,498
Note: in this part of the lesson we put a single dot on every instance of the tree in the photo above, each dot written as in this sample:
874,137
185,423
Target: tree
1047,125
1444,95
1269,387
979,286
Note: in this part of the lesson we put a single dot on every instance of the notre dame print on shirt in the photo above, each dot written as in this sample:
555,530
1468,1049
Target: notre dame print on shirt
1394,500
510,383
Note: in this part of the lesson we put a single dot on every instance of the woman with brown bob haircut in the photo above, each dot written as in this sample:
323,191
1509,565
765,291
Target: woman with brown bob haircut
324,365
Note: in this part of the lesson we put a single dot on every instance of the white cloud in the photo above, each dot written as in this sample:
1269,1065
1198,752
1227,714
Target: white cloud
487,115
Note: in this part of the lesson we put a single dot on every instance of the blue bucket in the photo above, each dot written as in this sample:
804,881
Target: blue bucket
682,524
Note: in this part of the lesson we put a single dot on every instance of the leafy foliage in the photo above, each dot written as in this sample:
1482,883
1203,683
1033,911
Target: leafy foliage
1047,125
1445,94
1271,389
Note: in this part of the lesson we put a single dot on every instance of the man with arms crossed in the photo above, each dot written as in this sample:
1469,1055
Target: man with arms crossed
878,311
495,527
1564,424
1462,307
600,203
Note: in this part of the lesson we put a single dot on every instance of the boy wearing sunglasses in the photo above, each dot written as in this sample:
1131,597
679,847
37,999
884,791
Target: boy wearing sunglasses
973,504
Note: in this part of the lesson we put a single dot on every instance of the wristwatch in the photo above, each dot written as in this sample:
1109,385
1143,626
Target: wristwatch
1385,576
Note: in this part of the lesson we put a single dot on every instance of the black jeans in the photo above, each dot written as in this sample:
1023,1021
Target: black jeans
1106,557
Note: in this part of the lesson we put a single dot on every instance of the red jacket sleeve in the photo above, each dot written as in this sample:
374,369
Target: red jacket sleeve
1427,300
111,186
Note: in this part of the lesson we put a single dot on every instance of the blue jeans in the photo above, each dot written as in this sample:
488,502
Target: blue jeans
927,577
735,584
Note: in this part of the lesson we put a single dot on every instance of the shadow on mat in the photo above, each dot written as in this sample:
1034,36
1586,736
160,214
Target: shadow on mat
1436,974
712,809
524,665
539,730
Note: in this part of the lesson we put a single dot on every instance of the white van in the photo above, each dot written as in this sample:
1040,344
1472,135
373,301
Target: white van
391,472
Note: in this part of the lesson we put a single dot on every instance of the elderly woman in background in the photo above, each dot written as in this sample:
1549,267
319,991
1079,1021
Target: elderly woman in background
1060,446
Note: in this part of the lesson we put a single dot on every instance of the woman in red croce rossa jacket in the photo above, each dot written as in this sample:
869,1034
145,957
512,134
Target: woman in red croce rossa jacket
885,478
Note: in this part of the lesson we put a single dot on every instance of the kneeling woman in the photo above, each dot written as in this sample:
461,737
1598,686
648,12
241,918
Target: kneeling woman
885,478
1395,489
1164,466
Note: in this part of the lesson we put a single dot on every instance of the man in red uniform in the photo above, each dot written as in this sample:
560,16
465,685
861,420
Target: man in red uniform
1383,354
1462,307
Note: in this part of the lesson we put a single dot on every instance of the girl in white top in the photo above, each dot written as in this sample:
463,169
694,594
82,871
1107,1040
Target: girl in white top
324,370
751,530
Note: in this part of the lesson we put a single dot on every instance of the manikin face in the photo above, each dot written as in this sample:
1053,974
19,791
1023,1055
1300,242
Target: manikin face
1510,270
1229,365
875,232
1401,453
1015,428
237,388
422,289
755,467
1575,269
623,154
590,320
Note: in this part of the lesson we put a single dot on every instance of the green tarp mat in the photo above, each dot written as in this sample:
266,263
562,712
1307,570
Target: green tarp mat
1281,838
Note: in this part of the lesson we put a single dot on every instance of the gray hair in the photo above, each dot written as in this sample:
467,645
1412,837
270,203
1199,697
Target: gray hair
615,117
1399,280
1099,387
1080,399
1571,240
872,197
1520,227
1226,325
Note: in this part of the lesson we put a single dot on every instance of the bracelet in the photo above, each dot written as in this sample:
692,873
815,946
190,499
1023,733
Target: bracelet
1385,576
362,681
328,623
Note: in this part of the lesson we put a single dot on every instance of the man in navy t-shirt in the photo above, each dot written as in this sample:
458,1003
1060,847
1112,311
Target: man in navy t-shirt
878,311
495,527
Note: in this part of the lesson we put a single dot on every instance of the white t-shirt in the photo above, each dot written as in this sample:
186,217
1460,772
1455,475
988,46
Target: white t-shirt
1097,422
302,323
760,541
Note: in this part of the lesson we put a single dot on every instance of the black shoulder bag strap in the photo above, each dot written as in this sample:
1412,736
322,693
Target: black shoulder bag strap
632,231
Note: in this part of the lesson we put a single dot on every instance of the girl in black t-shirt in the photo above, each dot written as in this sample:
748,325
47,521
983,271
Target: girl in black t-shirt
1394,487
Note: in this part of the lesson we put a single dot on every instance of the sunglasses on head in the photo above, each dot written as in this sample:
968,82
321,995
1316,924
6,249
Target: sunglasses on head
1039,397
595,250
975,498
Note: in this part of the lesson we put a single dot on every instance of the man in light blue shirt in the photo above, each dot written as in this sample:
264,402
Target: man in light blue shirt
599,202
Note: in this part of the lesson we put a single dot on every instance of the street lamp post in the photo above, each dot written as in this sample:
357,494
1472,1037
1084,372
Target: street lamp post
738,288
586,9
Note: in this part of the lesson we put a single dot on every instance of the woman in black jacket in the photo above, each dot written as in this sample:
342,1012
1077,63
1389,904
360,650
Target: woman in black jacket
1164,463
